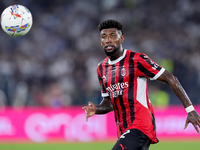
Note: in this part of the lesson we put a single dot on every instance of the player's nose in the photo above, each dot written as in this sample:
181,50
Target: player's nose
108,40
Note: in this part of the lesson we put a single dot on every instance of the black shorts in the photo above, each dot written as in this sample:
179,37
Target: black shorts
132,139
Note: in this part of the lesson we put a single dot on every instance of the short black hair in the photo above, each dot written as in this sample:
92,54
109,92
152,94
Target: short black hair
110,23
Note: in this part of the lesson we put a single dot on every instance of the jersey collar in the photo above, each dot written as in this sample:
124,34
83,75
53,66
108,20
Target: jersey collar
118,59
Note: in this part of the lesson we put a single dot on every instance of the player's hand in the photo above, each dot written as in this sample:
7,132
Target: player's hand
194,118
89,110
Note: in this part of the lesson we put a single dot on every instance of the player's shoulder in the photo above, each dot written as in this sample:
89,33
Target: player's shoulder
102,62
136,55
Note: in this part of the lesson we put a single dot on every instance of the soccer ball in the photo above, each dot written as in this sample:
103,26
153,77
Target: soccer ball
16,20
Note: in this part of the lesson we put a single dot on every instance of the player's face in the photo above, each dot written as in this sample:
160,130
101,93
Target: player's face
111,40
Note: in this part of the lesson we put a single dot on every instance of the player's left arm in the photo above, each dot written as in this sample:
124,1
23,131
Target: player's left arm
192,116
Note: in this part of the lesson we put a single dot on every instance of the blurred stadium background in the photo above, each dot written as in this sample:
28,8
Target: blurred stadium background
53,67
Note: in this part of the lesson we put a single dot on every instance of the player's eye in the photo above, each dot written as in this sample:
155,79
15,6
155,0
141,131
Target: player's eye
103,36
113,35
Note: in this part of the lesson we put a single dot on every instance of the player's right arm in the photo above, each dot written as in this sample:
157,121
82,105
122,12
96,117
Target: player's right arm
104,107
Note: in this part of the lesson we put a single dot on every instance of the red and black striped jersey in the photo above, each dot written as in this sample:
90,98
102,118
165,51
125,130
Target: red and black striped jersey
124,80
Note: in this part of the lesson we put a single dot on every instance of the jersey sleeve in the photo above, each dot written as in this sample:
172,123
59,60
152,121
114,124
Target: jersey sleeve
104,92
148,67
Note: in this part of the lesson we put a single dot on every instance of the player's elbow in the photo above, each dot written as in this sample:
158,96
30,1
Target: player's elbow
174,82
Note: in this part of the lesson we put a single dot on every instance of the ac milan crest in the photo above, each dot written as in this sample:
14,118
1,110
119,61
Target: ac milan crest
123,72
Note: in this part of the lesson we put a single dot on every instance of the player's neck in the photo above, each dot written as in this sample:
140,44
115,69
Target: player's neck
118,54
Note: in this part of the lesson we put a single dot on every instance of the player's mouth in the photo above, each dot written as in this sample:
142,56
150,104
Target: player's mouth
109,48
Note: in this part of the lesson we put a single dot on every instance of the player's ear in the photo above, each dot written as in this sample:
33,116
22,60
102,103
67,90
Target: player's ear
122,38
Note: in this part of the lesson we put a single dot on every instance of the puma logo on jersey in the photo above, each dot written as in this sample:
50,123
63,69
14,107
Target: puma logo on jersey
104,77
